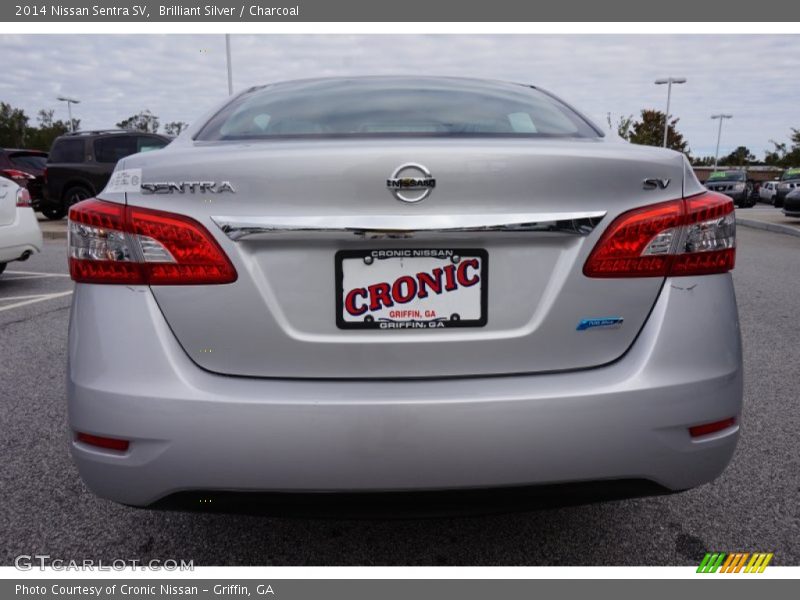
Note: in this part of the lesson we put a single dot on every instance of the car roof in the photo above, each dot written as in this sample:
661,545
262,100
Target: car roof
16,150
102,132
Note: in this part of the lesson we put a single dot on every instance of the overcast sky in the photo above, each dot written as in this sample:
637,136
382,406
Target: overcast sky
178,77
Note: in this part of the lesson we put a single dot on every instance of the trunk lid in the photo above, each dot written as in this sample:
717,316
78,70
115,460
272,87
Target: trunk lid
279,319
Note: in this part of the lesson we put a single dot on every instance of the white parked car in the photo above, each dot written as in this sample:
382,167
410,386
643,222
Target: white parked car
20,235
767,191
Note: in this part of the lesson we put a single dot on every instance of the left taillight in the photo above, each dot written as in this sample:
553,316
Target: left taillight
23,198
113,243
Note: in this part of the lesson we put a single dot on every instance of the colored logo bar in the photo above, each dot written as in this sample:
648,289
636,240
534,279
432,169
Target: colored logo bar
735,562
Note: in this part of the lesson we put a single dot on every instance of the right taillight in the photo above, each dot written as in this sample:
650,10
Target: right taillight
691,236
23,198
113,243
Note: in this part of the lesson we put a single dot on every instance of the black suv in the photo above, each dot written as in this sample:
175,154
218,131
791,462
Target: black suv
80,164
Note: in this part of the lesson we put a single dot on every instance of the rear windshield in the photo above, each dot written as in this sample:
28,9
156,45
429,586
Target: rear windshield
727,176
32,161
394,107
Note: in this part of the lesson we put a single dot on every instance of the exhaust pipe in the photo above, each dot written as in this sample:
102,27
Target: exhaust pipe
25,256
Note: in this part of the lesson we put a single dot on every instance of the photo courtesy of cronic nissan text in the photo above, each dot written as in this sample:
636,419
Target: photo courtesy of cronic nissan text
304,292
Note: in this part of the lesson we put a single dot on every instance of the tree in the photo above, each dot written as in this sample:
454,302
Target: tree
41,138
649,131
741,157
624,126
143,121
13,126
175,127
15,132
703,161
784,155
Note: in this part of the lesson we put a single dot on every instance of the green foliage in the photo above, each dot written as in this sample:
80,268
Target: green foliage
15,131
649,131
175,127
142,121
784,155
13,126
741,157
703,161
624,125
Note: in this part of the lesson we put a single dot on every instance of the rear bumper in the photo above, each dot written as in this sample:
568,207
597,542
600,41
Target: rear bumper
193,430
21,236
739,197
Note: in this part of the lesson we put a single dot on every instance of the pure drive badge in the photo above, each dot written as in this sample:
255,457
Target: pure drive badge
585,324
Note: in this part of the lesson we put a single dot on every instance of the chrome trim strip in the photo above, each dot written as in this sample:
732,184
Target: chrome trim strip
376,226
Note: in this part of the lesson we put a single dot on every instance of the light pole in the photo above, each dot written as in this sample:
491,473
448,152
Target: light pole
721,118
228,55
669,81
70,102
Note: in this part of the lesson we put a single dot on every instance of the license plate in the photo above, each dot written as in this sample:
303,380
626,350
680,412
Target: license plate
418,288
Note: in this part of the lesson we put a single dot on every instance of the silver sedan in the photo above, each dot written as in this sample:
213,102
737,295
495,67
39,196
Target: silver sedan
400,283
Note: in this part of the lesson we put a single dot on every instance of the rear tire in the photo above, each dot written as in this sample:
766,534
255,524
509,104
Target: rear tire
54,213
75,194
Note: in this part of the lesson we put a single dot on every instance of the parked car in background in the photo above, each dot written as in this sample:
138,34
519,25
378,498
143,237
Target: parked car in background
20,235
26,169
401,283
767,191
789,181
733,184
791,204
81,163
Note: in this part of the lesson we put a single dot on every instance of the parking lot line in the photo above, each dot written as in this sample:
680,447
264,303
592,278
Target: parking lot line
33,300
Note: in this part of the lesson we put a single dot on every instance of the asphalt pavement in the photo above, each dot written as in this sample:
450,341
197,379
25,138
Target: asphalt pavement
753,506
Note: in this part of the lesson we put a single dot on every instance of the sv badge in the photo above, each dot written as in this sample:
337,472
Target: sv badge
655,184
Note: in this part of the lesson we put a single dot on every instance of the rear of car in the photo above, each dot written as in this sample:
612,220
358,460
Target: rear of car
20,235
791,204
81,163
790,180
26,169
733,184
388,284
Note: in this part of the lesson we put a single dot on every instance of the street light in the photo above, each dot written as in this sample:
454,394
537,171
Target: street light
70,102
721,118
669,81
228,56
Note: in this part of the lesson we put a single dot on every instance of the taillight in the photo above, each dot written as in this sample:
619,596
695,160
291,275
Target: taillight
23,198
692,236
17,175
113,243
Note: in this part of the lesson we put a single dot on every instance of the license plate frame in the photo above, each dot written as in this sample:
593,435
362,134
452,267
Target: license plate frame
445,258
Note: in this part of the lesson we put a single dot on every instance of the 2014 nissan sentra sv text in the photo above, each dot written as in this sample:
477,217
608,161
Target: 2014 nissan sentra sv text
395,284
